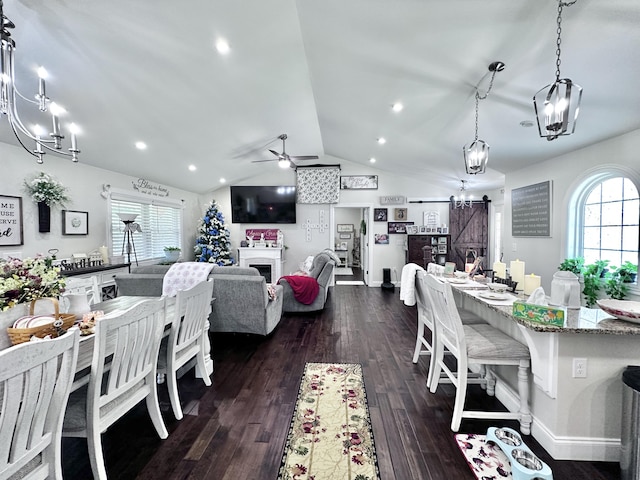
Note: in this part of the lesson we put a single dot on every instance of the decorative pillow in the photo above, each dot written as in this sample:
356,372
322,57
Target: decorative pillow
332,255
307,264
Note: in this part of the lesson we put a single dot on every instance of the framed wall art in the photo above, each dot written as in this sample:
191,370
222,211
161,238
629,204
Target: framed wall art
11,221
381,239
344,227
398,227
359,182
400,214
345,236
379,214
75,222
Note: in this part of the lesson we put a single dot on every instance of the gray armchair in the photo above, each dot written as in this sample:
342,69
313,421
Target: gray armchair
242,302
322,270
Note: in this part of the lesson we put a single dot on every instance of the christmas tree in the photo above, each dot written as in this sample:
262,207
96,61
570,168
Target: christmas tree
212,244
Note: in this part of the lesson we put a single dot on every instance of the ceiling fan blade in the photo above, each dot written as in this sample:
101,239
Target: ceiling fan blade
304,157
277,154
269,160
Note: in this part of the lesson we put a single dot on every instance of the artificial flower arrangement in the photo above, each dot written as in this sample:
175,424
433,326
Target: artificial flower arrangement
24,280
44,188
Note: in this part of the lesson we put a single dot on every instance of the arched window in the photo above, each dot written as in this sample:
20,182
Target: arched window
604,217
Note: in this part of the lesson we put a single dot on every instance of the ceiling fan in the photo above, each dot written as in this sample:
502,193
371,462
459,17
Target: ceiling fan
285,160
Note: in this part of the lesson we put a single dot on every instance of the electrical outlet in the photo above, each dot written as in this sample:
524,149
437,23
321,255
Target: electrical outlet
579,368
514,247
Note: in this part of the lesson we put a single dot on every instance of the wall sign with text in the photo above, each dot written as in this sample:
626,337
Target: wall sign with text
531,210
10,220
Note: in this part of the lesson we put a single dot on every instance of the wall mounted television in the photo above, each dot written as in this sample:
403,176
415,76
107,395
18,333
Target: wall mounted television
266,204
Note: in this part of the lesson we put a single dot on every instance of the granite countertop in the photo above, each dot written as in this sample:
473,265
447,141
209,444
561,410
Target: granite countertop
583,320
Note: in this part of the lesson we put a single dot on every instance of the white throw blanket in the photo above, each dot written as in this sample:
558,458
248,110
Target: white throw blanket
408,283
183,276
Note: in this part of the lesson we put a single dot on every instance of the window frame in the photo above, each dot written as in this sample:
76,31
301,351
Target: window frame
133,197
576,223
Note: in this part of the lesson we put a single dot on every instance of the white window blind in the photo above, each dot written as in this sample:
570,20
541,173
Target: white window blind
160,225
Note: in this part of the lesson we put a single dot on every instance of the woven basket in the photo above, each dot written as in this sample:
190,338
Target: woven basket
21,335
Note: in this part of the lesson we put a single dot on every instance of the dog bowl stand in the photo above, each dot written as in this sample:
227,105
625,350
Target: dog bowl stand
511,444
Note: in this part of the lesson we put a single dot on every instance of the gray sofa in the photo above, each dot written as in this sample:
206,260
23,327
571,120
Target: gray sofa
241,305
322,270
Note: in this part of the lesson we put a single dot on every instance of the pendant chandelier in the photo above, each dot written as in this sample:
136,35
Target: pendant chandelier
476,153
461,200
557,105
9,95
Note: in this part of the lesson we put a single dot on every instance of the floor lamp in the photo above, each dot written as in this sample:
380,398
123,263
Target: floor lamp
129,228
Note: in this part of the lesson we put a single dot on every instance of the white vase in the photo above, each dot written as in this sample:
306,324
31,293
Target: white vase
77,303
172,255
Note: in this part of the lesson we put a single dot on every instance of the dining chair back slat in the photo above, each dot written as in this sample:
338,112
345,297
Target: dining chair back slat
35,380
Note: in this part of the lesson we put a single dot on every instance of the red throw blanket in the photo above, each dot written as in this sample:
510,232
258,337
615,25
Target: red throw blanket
305,289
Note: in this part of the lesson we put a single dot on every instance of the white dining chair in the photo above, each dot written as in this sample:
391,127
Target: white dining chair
123,373
35,380
88,286
186,340
478,344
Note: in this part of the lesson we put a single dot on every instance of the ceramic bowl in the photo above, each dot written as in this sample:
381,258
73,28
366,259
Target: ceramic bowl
622,309
497,287
459,274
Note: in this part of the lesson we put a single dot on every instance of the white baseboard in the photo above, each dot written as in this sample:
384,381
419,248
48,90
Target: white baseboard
562,448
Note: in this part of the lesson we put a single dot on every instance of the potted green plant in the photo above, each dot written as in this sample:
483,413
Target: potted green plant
172,254
574,265
628,272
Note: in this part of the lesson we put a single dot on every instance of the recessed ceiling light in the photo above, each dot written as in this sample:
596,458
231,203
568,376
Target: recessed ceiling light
192,168
397,107
223,180
141,145
526,123
222,46
382,140
372,160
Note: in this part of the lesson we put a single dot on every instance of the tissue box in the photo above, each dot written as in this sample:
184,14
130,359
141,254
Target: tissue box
539,313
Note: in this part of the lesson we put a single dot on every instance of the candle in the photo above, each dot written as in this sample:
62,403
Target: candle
104,253
468,267
500,269
531,282
517,273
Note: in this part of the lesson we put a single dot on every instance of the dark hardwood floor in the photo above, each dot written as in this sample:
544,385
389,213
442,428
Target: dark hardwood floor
236,428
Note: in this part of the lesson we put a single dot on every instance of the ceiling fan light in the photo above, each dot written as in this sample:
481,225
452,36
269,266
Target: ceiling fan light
284,163
557,107
476,156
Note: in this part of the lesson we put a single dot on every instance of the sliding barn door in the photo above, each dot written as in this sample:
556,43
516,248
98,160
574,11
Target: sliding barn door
469,232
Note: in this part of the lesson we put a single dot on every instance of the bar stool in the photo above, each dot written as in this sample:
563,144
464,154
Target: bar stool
479,344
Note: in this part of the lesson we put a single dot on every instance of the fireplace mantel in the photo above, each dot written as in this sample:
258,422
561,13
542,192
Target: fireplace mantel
272,256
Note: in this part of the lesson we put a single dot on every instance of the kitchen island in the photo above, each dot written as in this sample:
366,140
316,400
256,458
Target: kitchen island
573,418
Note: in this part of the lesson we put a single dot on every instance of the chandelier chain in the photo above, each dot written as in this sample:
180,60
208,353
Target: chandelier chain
482,97
561,5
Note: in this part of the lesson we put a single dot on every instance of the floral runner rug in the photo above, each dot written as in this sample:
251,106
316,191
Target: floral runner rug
486,460
330,436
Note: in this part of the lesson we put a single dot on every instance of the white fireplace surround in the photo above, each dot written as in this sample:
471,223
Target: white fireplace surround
271,256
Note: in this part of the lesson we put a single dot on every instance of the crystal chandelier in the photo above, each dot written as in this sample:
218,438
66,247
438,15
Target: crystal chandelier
9,95
461,200
557,105
476,153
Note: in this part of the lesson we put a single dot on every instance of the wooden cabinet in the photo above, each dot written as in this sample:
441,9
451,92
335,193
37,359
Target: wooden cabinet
105,274
422,249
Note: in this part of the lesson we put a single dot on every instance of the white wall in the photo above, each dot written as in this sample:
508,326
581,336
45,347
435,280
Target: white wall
385,256
542,255
84,183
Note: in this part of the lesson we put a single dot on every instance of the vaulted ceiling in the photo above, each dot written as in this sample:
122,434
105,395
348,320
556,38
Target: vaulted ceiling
326,73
